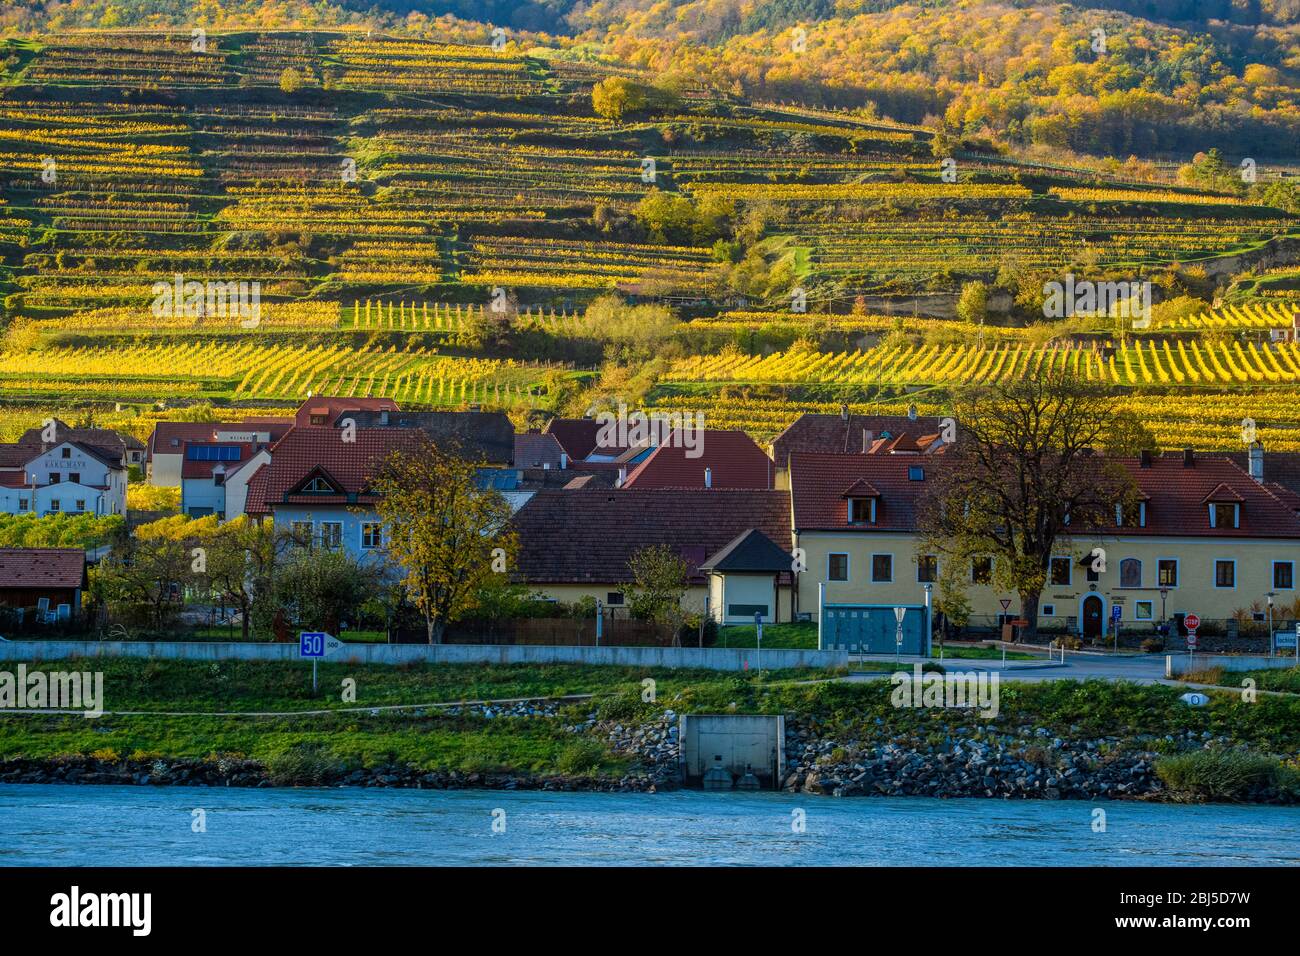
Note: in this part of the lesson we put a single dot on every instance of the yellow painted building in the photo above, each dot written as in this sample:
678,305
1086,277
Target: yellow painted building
1214,540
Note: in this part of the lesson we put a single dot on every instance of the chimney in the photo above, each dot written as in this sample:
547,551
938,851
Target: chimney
867,438
708,477
1144,458
1189,458
1257,462
564,461
622,475
844,412
911,413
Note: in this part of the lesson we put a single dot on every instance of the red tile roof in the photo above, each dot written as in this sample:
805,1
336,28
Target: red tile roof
837,434
169,438
332,408
348,466
732,457
577,436
1176,496
577,536
255,500
821,484
42,567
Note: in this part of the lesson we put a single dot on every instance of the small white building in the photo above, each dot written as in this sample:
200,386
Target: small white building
745,579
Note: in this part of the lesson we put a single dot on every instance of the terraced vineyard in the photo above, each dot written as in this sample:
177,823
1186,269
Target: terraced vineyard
430,221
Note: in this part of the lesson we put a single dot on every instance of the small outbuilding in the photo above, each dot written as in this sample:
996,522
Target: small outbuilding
745,579
48,581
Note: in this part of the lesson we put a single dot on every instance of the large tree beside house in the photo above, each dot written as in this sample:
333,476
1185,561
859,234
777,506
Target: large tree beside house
1030,478
446,533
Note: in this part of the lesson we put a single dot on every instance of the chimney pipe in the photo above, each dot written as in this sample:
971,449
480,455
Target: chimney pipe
622,475
1257,462
844,412
1189,458
564,461
708,477
1144,458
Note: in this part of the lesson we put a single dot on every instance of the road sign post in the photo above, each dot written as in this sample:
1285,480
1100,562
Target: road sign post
899,614
1116,612
1191,622
314,645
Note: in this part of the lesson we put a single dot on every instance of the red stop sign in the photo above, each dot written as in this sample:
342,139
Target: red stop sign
1191,622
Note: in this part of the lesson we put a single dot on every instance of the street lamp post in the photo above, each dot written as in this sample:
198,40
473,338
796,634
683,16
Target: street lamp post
1164,618
1271,595
929,624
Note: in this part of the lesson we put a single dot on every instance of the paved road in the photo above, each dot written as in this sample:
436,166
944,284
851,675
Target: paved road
1142,669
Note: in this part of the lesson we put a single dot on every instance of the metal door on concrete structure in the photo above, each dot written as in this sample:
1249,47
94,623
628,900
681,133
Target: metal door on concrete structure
872,629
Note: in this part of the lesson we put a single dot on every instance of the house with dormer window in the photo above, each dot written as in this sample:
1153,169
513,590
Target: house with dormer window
1201,535
317,485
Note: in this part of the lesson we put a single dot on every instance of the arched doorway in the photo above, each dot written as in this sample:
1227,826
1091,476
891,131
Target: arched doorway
1091,614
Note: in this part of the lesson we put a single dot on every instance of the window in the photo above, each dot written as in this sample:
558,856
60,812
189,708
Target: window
1223,514
81,504
1137,518
614,597
74,477
1143,610
372,535
317,486
302,533
1048,610
1225,574
882,568
862,510
837,567
981,571
927,568
1130,573
218,478
1167,569
747,610
331,535
55,477
24,504
1283,575
67,453
1059,572
915,473
55,505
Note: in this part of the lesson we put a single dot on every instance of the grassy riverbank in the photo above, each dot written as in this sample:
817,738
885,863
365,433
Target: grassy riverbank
574,736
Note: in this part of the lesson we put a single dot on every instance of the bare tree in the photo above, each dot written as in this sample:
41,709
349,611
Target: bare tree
1032,468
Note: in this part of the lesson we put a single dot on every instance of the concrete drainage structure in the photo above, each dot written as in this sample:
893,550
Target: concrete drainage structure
726,751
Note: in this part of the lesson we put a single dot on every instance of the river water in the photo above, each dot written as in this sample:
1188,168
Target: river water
146,826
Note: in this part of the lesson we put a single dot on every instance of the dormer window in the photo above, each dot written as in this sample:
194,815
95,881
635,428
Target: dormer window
1224,507
1133,517
862,511
1225,514
317,486
860,502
